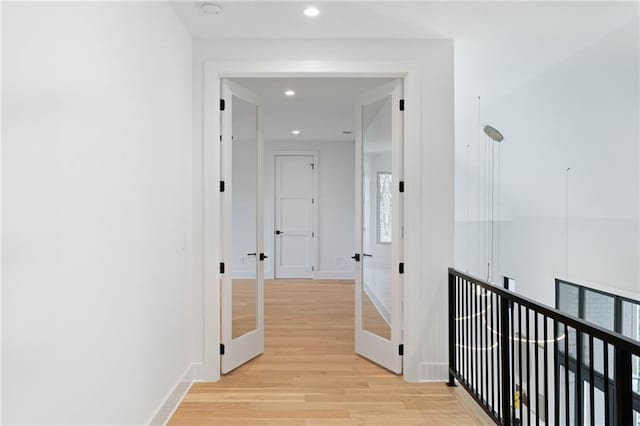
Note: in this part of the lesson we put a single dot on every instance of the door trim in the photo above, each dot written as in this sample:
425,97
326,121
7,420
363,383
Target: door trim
315,244
206,262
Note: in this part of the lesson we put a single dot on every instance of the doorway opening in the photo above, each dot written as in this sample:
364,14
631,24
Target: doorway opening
312,211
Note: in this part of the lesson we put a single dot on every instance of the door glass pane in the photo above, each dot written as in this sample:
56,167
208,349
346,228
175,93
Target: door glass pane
244,233
377,211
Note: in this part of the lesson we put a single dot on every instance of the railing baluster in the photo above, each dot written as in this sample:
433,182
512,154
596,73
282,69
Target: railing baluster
512,366
452,330
535,369
592,402
579,383
520,360
528,376
566,375
485,351
624,390
475,338
504,353
556,374
493,365
467,323
605,373
545,357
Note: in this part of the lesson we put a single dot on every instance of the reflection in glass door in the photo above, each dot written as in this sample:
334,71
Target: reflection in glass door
243,278
378,226
377,179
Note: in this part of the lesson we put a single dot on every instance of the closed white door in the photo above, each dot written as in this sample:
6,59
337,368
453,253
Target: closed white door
378,326
243,274
294,216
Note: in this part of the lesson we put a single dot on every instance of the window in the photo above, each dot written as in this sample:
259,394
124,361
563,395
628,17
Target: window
384,207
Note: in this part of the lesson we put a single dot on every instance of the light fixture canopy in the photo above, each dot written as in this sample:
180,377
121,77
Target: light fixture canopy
311,12
295,132
210,9
493,133
290,92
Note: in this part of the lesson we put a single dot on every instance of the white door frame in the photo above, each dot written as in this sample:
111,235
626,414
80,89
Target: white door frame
314,208
209,370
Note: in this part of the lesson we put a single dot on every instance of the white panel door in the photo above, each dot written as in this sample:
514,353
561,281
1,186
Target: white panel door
378,326
294,216
242,333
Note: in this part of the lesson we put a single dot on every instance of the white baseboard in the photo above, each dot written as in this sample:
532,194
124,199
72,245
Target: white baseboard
170,403
334,275
382,310
434,372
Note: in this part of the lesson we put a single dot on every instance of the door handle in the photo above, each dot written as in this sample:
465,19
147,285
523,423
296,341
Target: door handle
367,255
356,257
263,257
251,254
279,232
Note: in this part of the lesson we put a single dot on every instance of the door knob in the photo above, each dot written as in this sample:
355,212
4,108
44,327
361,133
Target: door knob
356,257
279,232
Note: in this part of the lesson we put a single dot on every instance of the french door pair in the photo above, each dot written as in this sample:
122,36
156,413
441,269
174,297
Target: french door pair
378,220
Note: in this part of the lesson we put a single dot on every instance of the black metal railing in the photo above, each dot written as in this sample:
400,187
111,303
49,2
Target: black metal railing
519,359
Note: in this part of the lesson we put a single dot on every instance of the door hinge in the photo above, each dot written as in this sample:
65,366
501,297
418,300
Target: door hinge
401,104
313,268
313,200
313,166
222,267
221,349
313,235
401,349
401,267
221,186
221,104
401,184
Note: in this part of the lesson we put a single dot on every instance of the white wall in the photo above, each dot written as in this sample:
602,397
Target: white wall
581,114
425,335
96,218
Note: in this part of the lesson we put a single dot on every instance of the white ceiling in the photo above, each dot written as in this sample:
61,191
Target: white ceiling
321,109
497,45
401,20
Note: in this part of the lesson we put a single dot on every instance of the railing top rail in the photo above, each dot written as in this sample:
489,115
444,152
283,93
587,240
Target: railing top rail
580,325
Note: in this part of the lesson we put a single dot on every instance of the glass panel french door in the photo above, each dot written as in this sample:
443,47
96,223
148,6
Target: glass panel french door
243,279
379,225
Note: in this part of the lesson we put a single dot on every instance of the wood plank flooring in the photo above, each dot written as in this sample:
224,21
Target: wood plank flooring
310,375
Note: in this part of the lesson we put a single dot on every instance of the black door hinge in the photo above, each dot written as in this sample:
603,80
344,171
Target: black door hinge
401,350
221,104
401,267
221,186
356,257
221,349
401,184
222,267
401,104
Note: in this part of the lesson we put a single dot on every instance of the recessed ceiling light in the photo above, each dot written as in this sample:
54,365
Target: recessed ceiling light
296,132
289,93
210,9
311,12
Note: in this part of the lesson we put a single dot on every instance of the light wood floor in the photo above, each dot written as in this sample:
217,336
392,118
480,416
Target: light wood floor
310,375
